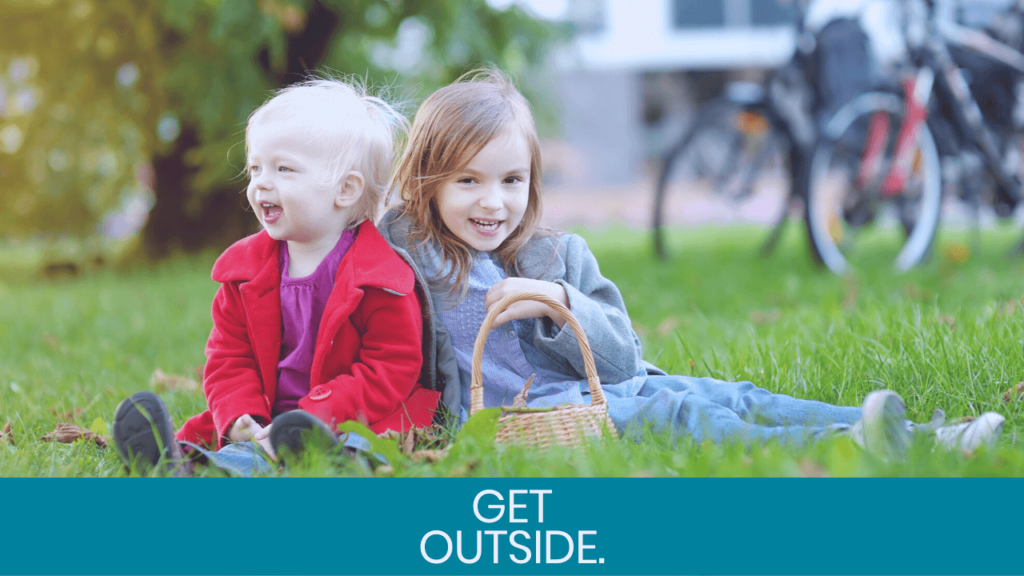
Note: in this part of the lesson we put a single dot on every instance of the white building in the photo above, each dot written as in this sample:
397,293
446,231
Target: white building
637,68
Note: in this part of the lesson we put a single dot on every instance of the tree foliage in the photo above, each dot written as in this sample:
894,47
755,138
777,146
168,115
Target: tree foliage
109,108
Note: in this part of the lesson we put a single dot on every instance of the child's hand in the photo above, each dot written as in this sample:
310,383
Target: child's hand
263,439
246,429
526,308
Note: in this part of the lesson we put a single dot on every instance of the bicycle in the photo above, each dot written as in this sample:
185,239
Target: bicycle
880,157
737,137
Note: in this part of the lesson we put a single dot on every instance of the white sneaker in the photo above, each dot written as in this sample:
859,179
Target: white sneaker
882,428
984,429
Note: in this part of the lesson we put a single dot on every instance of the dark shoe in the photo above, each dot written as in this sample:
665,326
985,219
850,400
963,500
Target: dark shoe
294,430
144,434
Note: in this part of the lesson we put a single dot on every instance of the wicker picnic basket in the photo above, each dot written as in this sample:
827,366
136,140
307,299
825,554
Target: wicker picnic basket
564,425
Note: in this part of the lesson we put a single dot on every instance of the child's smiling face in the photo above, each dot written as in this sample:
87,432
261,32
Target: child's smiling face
485,202
286,185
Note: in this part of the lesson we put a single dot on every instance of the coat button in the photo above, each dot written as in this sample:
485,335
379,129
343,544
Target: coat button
319,393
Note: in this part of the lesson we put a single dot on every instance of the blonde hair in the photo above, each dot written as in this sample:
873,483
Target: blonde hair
450,128
357,131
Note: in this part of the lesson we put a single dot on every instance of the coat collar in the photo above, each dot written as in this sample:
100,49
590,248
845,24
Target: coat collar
374,263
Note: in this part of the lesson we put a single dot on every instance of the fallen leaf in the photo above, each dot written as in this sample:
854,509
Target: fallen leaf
68,433
811,469
947,320
667,326
6,435
692,364
759,317
410,442
428,455
417,439
958,253
51,341
1014,393
161,381
66,415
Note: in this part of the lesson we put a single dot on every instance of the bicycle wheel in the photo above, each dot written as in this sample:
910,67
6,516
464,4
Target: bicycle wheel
731,164
856,212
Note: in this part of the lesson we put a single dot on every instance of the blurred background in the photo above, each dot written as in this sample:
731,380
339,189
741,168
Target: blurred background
122,121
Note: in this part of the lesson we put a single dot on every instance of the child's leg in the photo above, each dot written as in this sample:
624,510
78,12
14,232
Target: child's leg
734,412
756,405
240,458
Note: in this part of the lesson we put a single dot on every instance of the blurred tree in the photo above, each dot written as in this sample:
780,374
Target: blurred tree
110,108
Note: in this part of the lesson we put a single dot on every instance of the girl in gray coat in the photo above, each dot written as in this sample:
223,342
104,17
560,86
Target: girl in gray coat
470,182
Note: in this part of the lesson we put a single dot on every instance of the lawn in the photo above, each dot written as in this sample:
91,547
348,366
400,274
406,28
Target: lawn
949,335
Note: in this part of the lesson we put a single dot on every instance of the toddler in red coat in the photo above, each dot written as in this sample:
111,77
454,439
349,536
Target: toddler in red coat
316,320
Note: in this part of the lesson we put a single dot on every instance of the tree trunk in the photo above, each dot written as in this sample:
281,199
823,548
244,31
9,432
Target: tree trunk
224,216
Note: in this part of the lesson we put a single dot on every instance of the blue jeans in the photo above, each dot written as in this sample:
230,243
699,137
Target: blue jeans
238,458
709,409
247,458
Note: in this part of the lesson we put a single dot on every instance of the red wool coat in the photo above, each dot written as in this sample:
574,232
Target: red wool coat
366,360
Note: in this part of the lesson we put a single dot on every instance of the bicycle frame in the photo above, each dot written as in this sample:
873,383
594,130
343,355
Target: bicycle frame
917,94
968,121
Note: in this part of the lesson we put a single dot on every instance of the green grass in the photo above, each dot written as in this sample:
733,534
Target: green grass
948,335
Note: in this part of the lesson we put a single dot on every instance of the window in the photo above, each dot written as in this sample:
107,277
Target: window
698,13
771,13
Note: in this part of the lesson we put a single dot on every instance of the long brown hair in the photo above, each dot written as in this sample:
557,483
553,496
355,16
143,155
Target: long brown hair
450,128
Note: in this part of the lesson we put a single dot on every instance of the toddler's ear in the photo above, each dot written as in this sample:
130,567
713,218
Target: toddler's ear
350,189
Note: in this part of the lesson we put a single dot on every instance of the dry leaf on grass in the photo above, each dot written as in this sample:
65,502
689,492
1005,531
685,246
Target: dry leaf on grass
6,435
958,253
947,320
408,442
161,381
68,433
66,415
668,325
1014,393
759,317
430,456
811,469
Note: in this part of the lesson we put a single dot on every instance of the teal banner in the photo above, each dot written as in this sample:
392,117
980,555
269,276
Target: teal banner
511,526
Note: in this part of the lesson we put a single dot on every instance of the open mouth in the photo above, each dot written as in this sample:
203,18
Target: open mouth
271,212
486,225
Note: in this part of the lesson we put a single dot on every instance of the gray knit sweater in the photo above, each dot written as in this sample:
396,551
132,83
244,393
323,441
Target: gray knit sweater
593,299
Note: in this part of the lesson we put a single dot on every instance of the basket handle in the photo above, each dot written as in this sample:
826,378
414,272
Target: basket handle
476,387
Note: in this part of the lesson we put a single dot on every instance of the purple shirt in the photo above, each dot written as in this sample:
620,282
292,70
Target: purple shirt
302,306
